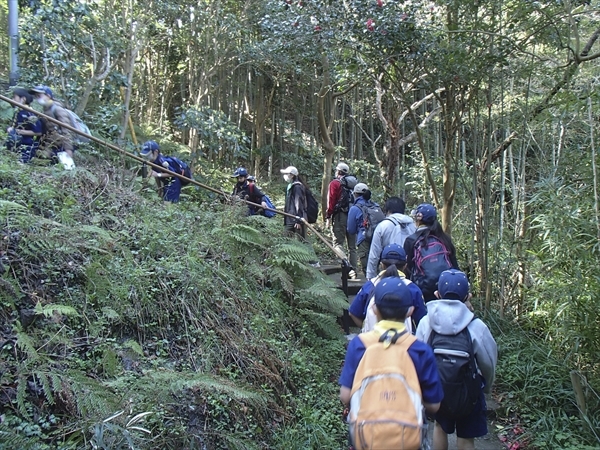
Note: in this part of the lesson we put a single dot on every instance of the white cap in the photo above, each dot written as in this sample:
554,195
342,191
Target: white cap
360,188
342,167
291,170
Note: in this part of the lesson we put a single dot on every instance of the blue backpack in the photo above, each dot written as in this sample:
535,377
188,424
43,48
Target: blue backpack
431,258
180,168
270,205
268,201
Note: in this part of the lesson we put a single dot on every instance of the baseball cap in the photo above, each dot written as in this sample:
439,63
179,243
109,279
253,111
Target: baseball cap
393,252
360,188
392,292
23,93
148,147
342,167
41,89
426,213
240,172
291,170
453,285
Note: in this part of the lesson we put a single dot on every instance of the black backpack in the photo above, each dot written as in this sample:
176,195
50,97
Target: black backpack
312,207
431,257
180,168
372,216
343,205
455,360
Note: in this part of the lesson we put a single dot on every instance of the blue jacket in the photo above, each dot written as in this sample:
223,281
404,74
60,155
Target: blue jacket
360,303
355,220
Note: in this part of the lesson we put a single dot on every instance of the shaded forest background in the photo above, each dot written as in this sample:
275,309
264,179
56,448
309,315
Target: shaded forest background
487,109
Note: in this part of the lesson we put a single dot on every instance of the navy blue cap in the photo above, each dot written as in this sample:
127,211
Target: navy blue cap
453,285
240,172
41,89
149,147
392,292
426,213
393,252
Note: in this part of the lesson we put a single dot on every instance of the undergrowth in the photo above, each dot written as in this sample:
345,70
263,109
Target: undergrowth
127,323
536,396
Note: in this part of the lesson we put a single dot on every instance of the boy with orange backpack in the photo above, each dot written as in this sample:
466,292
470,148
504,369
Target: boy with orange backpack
389,378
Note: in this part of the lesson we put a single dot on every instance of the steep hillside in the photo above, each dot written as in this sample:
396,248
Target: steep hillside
127,323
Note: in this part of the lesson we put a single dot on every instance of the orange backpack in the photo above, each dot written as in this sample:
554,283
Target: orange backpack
386,409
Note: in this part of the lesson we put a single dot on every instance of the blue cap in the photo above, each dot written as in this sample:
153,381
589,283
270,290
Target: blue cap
42,90
453,285
393,252
149,147
426,213
392,292
240,172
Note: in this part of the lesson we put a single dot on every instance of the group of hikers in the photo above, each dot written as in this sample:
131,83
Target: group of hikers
421,348
421,351
30,135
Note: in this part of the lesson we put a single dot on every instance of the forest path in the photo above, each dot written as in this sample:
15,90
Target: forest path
488,442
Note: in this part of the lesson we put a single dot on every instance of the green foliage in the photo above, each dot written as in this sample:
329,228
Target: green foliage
217,133
190,316
536,387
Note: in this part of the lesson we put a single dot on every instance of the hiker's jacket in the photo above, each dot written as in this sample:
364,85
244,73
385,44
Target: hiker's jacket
295,203
451,317
394,229
244,191
56,136
361,303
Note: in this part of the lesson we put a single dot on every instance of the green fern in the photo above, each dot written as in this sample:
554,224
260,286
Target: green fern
284,279
294,252
245,235
51,309
25,343
10,438
165,383
321,296
93,399
324,323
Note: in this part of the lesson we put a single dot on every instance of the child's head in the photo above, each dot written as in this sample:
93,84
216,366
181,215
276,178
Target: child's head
150,150
393,300
453,285
425,214
393,254
22,96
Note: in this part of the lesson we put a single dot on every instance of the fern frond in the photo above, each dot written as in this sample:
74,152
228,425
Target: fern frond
243,234
295,252
322,322
22,394
45,381
11,439
93,399
165,383
7,207
25,343
320,296
52,308
278,274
